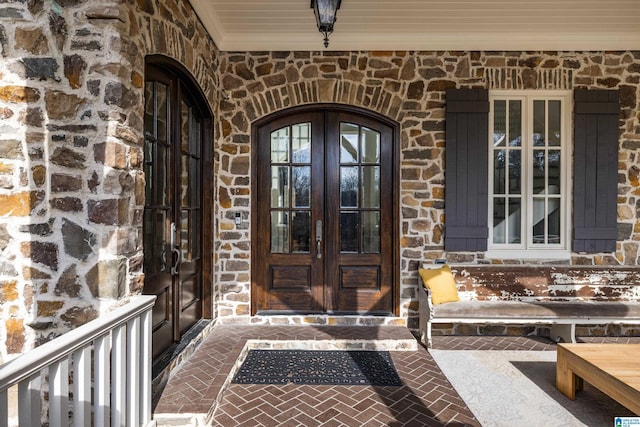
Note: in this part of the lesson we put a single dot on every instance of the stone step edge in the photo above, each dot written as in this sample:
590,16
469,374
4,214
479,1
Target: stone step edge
403,344
186,420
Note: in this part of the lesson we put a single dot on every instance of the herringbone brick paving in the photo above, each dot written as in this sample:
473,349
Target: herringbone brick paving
426,397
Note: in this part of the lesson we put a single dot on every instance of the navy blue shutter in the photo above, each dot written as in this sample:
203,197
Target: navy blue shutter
595,182
466,169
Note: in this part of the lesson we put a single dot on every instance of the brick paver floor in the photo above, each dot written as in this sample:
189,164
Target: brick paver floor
200,387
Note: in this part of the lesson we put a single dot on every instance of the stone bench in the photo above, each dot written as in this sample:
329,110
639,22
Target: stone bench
526,295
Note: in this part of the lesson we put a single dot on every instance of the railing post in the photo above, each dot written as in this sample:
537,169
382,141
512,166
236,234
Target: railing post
82,387
29,404
118,374
59,394
145,375
102,377
133,371
4,408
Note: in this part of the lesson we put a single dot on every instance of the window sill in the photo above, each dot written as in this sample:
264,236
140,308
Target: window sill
537,254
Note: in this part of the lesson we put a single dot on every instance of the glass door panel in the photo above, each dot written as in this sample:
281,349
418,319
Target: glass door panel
159,211
291,189
359,188
189,240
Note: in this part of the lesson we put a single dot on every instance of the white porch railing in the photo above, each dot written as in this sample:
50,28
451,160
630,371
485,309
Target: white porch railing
116,392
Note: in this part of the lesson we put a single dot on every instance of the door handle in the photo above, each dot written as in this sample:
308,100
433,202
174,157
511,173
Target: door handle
177,254
175,251
319,239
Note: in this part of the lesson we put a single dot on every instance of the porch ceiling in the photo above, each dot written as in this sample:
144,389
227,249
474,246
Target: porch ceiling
258,25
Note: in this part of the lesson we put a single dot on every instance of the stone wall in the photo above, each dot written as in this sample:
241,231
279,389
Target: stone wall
407,87
71,159
71,111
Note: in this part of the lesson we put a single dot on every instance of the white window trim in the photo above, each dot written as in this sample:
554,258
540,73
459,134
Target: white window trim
521,251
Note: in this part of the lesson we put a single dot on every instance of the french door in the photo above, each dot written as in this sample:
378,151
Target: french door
325,214
173,243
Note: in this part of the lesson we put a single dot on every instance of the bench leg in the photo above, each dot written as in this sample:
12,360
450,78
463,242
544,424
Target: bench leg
566,380
566,332
429,339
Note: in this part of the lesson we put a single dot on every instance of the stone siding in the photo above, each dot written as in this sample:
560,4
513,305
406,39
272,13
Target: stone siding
71,158
409,88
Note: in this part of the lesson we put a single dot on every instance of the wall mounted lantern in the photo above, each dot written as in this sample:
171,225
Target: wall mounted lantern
325,11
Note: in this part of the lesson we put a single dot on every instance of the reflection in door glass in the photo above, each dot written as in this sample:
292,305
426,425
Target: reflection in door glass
371,232
371,186
349,187
160,238
349,232
149,189
163,112
280,145
184,235
149,110
300,231
195,172
301,186
185,112
301,143
185,190
148,237
349,147
279,232
279,186
161,175
370,146
195,233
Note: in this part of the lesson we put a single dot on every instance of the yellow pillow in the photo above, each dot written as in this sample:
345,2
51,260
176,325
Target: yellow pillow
440,282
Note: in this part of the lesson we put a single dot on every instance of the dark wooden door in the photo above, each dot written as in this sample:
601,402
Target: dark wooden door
289,249
359,214
173,208
324,235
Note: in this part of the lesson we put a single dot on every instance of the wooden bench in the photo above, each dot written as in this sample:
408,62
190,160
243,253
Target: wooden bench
614,369
530,301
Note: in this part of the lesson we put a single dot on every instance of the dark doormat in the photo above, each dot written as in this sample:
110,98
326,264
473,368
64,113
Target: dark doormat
318,367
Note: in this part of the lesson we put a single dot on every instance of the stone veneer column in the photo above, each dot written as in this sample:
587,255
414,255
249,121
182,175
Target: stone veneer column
71,192
71,158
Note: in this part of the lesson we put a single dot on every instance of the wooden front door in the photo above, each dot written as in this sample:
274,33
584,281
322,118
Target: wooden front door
324,237
173,243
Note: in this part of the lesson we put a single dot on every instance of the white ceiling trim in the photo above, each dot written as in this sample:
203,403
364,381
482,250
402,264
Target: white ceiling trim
439,41
566,25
